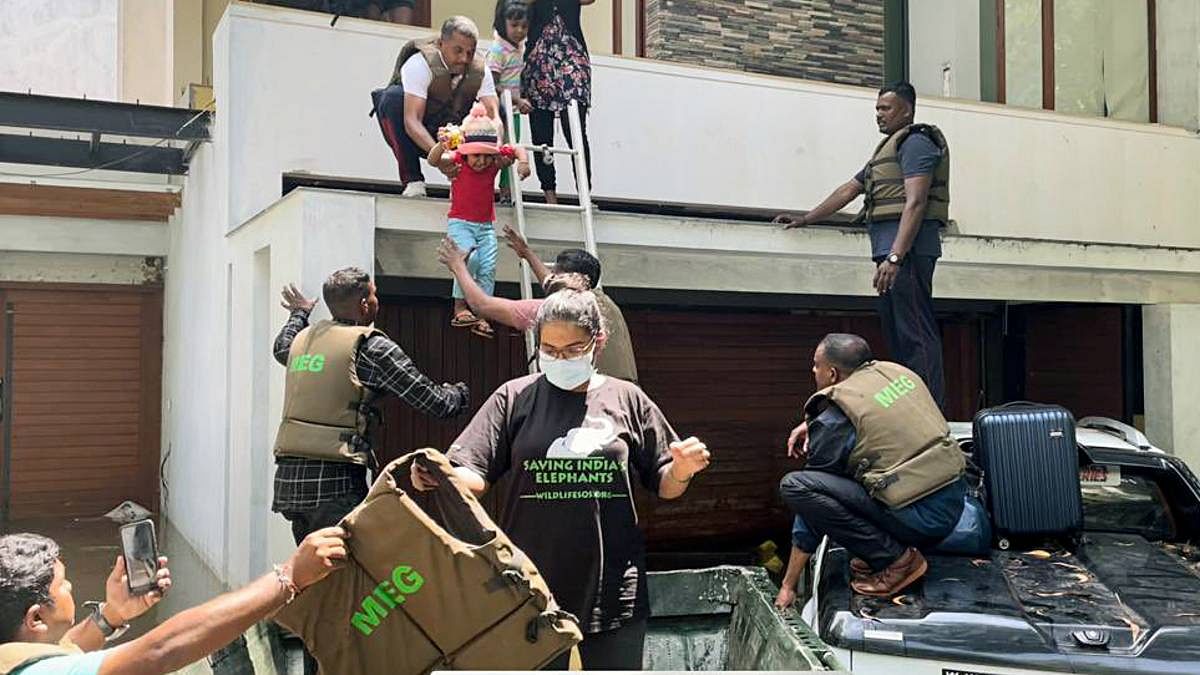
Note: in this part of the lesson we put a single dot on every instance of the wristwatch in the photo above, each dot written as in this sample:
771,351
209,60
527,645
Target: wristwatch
109,631
894,258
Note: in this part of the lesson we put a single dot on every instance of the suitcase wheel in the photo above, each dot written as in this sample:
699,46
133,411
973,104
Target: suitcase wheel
1003,544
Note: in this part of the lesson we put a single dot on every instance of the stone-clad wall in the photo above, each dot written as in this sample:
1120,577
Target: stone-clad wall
829,40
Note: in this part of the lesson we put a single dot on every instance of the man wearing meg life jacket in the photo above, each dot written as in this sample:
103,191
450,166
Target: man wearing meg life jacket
882,474
906,199
337,369
435,82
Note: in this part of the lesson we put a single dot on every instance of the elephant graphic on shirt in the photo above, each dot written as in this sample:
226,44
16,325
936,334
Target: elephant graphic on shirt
583,441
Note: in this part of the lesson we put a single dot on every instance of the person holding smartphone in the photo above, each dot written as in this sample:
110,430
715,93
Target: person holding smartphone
37,610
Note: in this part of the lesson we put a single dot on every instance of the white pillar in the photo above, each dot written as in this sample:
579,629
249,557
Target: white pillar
1170,336
301,240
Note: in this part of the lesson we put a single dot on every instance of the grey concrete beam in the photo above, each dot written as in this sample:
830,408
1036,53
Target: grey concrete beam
698,254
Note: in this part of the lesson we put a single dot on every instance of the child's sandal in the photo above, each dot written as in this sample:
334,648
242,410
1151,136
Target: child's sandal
464,319
483,329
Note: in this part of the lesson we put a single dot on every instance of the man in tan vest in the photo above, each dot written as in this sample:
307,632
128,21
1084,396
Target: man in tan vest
906,189
434,83
336,372
883,475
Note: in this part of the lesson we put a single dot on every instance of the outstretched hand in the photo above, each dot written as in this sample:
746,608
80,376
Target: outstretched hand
293,299
450,255
516,242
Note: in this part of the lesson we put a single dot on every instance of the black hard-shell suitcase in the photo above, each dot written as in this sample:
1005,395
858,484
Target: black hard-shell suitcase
1030,463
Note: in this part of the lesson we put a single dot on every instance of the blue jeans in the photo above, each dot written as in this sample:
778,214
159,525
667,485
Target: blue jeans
482,263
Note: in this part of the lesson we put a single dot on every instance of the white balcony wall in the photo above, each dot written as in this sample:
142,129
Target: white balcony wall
295,95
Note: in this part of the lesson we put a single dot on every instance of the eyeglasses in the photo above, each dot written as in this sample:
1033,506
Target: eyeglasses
569,352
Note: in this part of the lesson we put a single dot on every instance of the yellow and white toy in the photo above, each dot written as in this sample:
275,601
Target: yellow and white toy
451,136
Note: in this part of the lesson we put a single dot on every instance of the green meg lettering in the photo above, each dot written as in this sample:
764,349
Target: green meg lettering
370,617
407,580
386,596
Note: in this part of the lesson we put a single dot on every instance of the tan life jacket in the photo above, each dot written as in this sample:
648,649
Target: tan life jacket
15,656
884,188
616,359
431,583
904,449
445,103
327,412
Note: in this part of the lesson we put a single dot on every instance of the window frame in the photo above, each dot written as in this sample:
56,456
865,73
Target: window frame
992,53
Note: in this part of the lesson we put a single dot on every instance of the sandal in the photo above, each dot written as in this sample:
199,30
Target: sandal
464,319
483,329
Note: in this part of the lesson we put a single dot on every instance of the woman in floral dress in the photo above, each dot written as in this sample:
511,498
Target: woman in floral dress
557,70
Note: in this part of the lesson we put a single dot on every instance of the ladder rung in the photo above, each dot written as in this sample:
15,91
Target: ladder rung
547,148
553,207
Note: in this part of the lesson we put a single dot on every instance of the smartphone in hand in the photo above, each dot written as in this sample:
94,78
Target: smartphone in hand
140,548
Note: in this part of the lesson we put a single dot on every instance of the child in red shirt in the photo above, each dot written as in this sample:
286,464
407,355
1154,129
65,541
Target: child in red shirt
477,153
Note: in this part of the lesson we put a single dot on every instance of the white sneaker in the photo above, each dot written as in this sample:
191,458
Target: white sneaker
414,189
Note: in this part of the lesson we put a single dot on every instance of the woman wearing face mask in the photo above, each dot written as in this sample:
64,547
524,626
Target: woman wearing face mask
565,447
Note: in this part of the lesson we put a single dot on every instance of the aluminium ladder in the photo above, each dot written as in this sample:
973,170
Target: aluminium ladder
584,209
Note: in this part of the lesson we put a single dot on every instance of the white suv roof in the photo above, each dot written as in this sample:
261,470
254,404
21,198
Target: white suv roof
1090,432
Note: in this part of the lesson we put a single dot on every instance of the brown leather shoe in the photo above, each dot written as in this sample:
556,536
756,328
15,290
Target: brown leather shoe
859,569
909,567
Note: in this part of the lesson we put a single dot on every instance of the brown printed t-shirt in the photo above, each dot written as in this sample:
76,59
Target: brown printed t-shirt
563,464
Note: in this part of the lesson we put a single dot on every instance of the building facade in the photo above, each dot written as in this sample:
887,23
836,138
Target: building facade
1068,276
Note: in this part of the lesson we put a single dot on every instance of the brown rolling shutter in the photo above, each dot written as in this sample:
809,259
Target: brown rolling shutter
86,390
1073,358
736,381
422,329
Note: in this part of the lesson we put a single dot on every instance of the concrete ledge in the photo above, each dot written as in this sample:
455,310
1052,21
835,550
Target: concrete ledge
80,268
699,254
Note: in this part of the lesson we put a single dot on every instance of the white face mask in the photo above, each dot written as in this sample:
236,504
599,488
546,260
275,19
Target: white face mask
567,373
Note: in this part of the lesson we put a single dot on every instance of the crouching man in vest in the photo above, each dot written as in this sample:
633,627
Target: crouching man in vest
336,372
882,474
906,199
435,83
